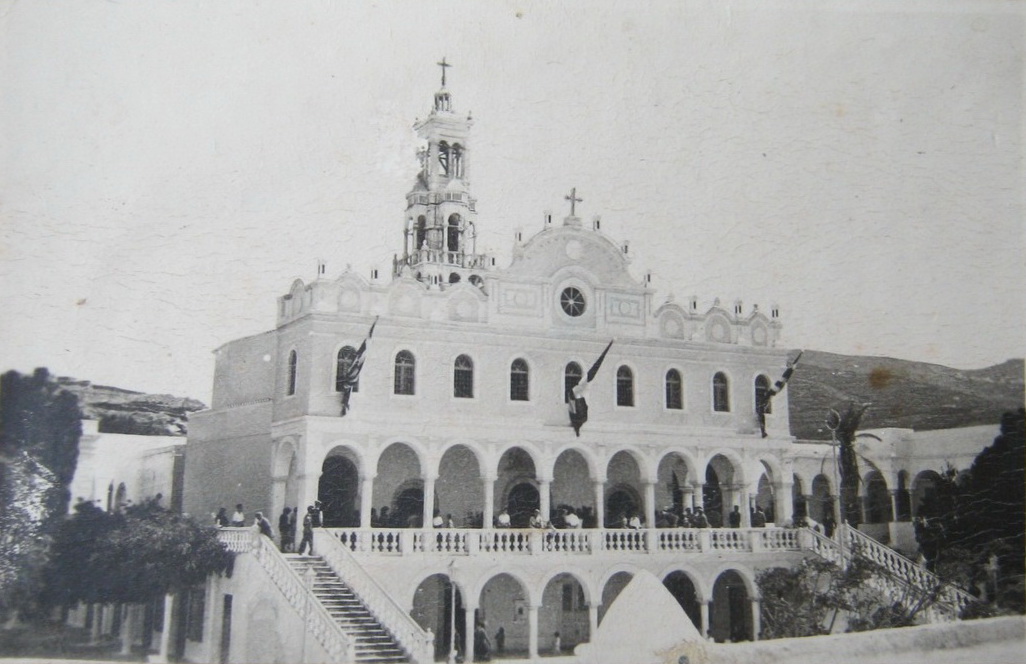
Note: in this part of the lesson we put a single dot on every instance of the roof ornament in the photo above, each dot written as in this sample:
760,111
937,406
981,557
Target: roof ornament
444,65
573,201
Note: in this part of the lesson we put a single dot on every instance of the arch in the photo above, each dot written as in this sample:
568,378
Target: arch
293,370
517,485
723,478
338,489
623,487
924,490
798,500
443,157
878,498
762,392
421,233
730,617
120,497
563,611
822,502
519,380
459,490
404,376
454,278
624,386
612,585
903,498
343,361
432,607
764,498
571,485
720,392
684,589
463,377
497,594
673,390
398,470
522,501
674,474
452,232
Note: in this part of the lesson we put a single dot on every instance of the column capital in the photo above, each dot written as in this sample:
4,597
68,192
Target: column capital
368,477
429,477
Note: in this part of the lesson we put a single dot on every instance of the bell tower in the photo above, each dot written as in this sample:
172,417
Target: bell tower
439,235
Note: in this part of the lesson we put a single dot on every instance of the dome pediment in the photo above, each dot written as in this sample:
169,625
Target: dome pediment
556,249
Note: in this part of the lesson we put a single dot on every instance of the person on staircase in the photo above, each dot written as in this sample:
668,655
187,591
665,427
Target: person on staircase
307,531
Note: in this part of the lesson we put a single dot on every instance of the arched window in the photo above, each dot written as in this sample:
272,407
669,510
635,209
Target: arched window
721,393
624,386
674,390
463,378
452,233
572,375
342,363
405,368
443,157
421,232
290,388
518,381
762,389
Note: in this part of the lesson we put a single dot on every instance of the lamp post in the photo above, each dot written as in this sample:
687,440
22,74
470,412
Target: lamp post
834,416
452,613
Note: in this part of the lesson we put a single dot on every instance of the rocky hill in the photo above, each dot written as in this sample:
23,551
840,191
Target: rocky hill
903,393
125,411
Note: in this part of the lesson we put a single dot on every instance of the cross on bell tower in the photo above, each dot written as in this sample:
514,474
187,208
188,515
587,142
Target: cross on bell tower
444,65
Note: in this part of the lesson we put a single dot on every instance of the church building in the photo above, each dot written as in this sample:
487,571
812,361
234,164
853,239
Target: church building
433,461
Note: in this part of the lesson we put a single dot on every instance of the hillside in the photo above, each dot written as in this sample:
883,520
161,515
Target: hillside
125,411
903,393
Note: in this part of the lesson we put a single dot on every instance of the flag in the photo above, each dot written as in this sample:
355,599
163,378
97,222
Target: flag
352,372
762,405
576,401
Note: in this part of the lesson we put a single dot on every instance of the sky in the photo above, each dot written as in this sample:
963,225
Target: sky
168,168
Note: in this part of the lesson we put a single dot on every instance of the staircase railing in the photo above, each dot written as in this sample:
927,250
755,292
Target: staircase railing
902,573
319,623
418,642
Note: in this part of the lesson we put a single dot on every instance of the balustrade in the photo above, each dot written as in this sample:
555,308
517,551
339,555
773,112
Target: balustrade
528,541
238,540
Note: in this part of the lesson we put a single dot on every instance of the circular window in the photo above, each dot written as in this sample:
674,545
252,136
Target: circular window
572,301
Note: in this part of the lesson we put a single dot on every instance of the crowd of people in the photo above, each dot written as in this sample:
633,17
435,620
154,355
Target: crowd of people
287,524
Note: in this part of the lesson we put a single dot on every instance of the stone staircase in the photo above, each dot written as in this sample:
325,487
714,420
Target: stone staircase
902,578
374,643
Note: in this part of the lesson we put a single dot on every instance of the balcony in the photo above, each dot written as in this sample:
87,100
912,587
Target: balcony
539,542
443,257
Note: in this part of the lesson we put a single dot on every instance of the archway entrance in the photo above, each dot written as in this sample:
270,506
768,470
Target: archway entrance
338,490
683,590
432,609
564,610
522,502
878,499
731,615
822,502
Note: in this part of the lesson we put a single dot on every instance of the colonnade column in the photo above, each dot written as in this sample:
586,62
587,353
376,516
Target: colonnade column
600,503
747,503
468,633
366,500
309,483
532,632
489,502
650,509
703,618
783,502
894,504
697,495
544,498
756,618
429,501
593,609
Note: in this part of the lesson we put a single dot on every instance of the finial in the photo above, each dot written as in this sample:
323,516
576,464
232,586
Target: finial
444,65
573,201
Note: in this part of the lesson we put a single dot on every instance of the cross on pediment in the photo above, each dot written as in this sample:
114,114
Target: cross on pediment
573,201
444,65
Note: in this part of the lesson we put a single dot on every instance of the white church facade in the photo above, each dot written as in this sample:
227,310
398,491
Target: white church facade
459,422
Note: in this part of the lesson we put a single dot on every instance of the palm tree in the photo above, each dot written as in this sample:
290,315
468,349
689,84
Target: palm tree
844,425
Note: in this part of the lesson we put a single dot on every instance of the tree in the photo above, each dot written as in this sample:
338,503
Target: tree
844,424
133,557
40,426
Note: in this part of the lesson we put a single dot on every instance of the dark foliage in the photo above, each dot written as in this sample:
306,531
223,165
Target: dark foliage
844,423
972,530
133,557
41,419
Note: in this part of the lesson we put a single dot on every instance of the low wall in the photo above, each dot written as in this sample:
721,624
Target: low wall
858,647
